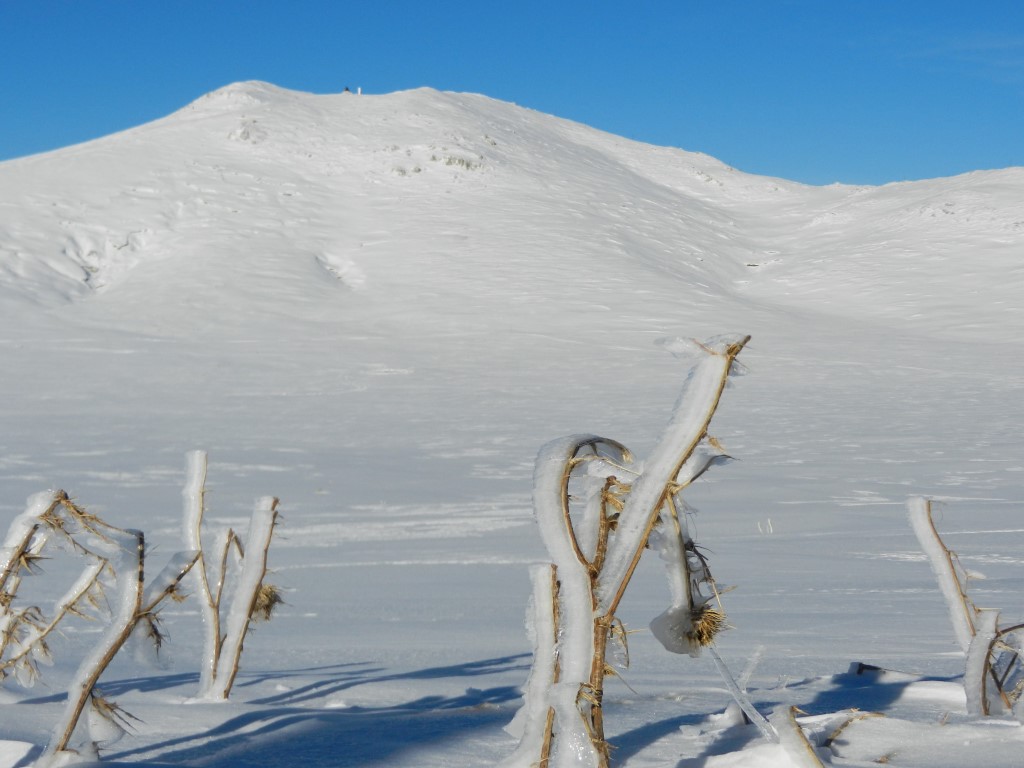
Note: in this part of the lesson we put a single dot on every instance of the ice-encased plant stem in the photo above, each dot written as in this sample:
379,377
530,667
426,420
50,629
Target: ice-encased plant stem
51,520
194,495
561,723
532,723
113,555
224,635
678,446
994,674
952,580
981,698
129,564
244,600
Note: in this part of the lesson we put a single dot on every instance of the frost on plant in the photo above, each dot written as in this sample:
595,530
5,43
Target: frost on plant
597,510
110,588
994,672
232,589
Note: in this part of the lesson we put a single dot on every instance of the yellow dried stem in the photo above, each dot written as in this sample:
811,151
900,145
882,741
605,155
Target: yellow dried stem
85,689
730,353
545,747
853,718
19,559
969,609
574,461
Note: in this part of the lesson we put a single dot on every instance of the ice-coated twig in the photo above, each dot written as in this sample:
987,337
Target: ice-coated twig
247,592
793,739
981,699
532,723
194,497
594,554
962,612
33,639
689,623
249,597
687,428
130,584
743,700
50,516
993,675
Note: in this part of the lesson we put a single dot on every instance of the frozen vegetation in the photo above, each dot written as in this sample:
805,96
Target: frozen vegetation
379,309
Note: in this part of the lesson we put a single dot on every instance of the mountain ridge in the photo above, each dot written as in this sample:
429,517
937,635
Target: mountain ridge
306,191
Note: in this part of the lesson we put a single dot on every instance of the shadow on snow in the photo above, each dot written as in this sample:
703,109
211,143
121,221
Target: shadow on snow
287,729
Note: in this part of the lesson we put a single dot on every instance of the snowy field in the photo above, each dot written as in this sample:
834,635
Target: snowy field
379,308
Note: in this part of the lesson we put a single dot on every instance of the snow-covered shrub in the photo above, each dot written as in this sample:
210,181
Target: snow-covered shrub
111,587
233,590
598,509
994,672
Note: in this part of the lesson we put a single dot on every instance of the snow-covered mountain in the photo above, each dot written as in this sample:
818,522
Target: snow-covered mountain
379,307
257,196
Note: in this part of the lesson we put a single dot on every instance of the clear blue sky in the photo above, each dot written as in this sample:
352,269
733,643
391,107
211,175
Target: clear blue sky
811,90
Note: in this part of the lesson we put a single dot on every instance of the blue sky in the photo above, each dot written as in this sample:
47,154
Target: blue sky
812,90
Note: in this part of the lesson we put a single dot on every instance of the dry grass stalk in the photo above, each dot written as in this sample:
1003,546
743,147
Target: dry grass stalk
855,717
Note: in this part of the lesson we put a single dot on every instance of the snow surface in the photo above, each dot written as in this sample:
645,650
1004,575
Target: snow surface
379,308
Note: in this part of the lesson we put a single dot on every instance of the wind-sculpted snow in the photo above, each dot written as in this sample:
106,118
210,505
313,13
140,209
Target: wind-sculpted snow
378,308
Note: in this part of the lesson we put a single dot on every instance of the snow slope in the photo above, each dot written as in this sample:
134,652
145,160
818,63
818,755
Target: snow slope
378,308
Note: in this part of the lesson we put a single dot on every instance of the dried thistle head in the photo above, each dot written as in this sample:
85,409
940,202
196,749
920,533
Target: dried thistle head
707,623
267,599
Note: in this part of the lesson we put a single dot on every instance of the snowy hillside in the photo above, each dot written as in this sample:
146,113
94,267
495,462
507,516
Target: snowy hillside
378,308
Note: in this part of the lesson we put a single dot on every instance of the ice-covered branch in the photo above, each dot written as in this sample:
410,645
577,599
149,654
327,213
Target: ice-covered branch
962,612
982,698
245,602
130,582
687,428
194,496
595,536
